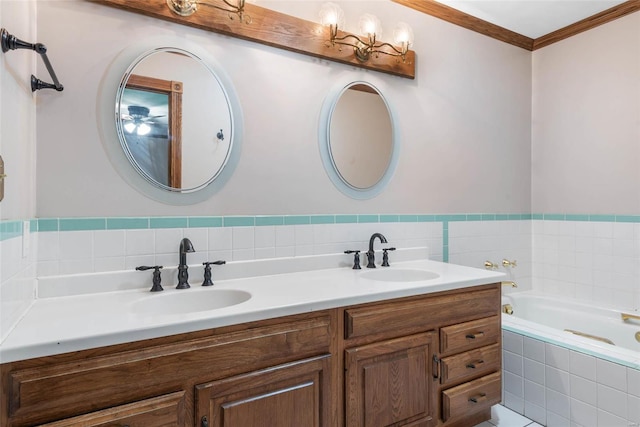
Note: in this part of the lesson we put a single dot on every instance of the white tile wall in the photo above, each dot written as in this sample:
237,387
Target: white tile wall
73,252
17,281
471,243
563,387
592,261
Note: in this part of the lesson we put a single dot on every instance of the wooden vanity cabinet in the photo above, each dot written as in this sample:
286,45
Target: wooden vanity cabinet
423,361
432,360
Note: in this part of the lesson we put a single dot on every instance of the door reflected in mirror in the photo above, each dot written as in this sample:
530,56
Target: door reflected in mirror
174,120
360,136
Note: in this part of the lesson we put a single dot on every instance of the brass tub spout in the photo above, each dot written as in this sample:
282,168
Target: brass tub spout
509,283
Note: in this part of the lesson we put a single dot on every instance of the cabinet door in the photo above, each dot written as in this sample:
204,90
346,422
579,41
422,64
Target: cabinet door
162,411
294,394
390,383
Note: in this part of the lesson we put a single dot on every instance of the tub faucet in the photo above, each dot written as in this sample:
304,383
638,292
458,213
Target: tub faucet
183,275
371,255
509,283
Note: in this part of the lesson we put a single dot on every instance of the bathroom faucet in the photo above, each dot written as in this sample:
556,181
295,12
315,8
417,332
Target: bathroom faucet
371,255
183,275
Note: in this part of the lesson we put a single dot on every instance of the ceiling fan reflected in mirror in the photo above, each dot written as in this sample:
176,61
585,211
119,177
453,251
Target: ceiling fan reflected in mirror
138,120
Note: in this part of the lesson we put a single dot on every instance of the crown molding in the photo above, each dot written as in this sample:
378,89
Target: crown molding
593,21
454,16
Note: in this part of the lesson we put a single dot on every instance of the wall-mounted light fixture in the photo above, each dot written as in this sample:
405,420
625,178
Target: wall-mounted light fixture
189,7
332,16
11,42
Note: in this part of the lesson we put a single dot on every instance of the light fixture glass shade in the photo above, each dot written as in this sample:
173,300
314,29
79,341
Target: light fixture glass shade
130,127
143,129
403,34
331,14
370,26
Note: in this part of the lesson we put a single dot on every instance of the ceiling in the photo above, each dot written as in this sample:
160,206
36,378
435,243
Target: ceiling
532,18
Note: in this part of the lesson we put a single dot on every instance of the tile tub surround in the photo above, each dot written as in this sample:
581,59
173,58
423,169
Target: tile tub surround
553,385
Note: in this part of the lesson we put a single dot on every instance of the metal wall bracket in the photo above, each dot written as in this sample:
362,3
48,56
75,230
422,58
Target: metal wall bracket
10,42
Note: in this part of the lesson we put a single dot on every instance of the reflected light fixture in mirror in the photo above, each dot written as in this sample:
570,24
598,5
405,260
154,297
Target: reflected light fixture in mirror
189,7
332,16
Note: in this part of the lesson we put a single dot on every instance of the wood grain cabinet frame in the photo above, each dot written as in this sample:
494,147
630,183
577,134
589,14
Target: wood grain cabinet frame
400,363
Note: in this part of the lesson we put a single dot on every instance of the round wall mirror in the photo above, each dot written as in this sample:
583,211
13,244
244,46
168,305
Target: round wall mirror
357,140
174,120
178,124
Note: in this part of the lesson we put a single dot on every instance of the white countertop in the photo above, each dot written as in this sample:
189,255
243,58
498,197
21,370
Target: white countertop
72,322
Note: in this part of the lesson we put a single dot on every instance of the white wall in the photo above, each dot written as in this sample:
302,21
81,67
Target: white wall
586,122
17,147
585,161
464,120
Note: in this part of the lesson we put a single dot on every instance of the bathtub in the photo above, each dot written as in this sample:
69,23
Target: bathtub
556,377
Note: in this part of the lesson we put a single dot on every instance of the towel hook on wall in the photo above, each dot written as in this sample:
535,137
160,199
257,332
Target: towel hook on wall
10,42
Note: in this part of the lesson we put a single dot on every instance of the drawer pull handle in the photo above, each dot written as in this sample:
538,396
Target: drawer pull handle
475,335
478,398
473,365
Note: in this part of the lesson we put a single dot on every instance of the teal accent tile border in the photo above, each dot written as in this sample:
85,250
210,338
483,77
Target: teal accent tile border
168,222
346,219
13,228
323,219
627,218
269,220
47,224
445,241
388,218
297,220
602,218
574,217
205,221
127,223
238,221
10,229
368,218
82,224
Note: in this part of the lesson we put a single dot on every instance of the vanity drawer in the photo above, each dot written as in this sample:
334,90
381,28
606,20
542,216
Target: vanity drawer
167,410
469,335
471,397
470,364
413,315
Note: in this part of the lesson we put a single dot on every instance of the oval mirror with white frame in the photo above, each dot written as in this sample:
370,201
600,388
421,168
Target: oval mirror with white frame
358,139
177,121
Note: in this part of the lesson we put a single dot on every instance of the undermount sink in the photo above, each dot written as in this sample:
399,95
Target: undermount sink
399,275
189,301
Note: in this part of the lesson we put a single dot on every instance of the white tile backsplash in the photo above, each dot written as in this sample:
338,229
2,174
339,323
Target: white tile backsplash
587,260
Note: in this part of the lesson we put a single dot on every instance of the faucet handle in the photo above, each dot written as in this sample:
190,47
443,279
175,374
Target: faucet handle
490,265
385,256
506,263
207,271
356,259
157,287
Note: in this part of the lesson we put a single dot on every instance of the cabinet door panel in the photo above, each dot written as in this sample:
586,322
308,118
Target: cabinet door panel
390,383
294,394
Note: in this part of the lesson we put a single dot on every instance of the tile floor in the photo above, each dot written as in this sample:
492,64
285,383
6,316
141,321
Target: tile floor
504,417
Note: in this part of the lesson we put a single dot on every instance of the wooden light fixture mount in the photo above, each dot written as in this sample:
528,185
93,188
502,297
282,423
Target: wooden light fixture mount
271,28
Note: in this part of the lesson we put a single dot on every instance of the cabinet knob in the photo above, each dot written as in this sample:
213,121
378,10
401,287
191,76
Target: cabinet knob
204,422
